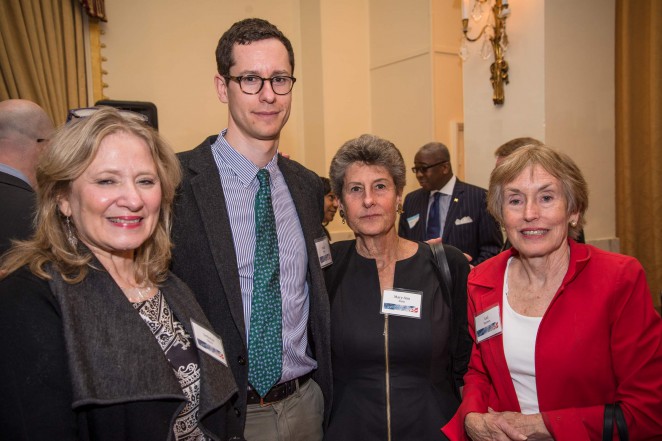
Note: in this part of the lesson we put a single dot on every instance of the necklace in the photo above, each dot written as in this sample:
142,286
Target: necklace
137,294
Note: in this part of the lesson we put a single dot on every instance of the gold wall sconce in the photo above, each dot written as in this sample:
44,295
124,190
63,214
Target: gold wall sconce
493,14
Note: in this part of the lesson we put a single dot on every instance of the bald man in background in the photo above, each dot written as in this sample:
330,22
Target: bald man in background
24,130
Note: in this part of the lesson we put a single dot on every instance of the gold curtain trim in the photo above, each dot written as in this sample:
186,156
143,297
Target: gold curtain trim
95,8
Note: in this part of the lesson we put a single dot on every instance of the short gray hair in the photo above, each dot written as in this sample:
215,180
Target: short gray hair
368,150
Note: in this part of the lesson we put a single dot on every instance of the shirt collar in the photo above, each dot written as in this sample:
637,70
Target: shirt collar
245,170
15,173
446,189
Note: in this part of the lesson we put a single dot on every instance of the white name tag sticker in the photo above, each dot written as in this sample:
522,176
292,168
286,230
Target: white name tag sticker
402,303
323,251
488,324
208,342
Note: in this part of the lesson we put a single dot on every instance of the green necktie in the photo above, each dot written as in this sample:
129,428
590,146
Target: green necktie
264,338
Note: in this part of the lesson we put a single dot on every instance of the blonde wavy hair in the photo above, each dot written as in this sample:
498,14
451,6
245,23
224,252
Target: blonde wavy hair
70,152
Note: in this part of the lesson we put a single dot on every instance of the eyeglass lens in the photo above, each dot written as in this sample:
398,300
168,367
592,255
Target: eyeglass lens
252,84
424,168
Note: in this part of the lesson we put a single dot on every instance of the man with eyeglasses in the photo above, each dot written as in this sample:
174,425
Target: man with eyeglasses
448,208
24,129
221,222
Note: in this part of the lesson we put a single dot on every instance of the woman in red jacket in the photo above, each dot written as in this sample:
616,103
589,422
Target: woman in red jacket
560,328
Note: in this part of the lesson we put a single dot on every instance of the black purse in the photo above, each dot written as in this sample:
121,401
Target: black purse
613,413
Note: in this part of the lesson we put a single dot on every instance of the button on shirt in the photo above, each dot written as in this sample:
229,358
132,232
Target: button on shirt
240,186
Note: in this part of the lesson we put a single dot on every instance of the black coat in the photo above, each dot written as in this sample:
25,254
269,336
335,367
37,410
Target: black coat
79,363
17,201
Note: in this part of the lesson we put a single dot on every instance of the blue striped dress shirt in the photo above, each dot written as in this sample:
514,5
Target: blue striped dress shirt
240,186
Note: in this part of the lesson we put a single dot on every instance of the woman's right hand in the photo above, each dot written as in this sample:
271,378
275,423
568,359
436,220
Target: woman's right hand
490,427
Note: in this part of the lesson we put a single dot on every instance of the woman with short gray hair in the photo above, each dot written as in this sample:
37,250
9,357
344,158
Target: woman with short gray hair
399,338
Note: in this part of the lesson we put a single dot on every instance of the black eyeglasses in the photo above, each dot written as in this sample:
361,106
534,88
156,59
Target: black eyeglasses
424,168
252,84
84,112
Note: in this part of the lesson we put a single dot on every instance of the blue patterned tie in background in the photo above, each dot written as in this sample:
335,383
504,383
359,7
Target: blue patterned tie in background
434,223
265,338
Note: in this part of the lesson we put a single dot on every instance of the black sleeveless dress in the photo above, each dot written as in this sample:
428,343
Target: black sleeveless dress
421,394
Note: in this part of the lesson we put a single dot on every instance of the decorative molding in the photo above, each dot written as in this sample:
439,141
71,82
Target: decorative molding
96,60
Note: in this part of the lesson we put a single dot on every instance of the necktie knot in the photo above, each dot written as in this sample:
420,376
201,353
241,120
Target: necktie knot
263,177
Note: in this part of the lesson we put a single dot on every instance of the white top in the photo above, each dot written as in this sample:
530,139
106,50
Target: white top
519,346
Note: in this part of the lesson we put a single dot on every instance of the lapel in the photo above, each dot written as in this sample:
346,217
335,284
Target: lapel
216,381
103,333
210,200
420,200
487,284
453,209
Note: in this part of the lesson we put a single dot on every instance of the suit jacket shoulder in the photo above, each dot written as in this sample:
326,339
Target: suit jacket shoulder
17,200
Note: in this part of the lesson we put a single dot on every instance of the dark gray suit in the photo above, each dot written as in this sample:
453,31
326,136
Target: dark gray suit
17,200
468,225
204,257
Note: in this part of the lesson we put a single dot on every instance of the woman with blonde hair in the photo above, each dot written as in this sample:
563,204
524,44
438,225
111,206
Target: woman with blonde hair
102,341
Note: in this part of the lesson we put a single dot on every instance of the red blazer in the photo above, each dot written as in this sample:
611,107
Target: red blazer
600,341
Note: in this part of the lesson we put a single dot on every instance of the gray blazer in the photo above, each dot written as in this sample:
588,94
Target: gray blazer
204,257
84,365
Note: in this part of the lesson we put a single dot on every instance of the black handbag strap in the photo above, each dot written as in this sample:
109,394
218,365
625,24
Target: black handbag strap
613,412
442,263
608,423
441,260
620,423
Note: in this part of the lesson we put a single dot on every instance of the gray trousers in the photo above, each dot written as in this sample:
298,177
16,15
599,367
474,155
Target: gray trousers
299,417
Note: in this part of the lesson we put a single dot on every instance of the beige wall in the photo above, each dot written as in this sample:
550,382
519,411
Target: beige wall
163,51
561,91
388,67
580,91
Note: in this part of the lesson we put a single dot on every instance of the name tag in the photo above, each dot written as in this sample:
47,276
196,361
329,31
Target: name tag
323,251
402,303
488,324
208,342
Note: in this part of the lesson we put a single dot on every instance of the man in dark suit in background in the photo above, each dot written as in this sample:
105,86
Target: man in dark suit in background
215,234
448,208
24,129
